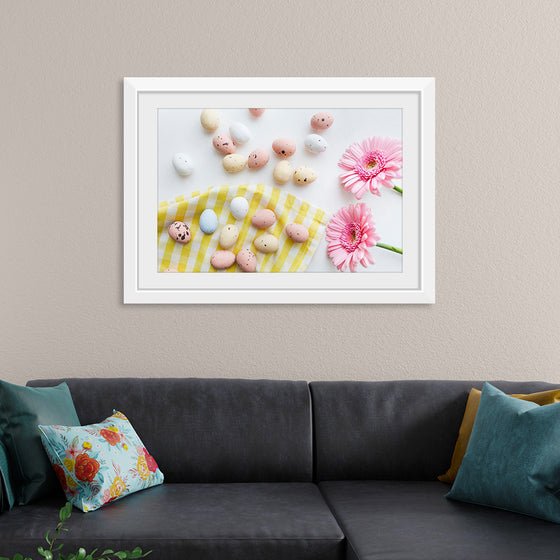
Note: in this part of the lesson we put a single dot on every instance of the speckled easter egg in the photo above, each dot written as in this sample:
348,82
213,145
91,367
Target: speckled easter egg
258,158
282,172
263,219
322,120
304,175
247,260
208,221
256,112
239,207
298,233
210,120
222,259
224,144
168,270
266,243
229,236
182,164
284,147
234,163
315,144
180,232
239,132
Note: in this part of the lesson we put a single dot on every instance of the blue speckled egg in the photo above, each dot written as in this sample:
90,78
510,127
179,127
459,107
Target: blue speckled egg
208,221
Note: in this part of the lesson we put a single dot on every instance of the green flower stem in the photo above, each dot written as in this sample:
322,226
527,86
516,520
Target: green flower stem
390,248
398,189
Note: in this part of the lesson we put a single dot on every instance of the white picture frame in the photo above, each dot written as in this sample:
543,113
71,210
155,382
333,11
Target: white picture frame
414,284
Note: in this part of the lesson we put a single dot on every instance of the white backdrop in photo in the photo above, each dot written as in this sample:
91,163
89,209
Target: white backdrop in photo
179,130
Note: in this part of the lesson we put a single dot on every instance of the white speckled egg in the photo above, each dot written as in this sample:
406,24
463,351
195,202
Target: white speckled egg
322,120
180,232
247,260
304,175
224,144
239,207
239,132
210,120
284,147
182,164
256,112
282,172
266,243
315,144
263,219
298,233
208,221
234,163
229,236
222,259
258,158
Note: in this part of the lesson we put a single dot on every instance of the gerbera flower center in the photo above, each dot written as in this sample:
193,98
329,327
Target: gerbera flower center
351,236
371,164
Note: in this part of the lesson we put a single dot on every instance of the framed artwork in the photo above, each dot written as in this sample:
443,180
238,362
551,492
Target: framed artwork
279,190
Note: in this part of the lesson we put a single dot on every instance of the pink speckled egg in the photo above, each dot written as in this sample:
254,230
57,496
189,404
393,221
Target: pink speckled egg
256,112
263,219
170,270
258,158
247,260
224,144
222,259
321,121
180,232
284,147
297,233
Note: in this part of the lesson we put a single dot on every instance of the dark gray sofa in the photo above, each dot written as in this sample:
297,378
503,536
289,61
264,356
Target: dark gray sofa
285,470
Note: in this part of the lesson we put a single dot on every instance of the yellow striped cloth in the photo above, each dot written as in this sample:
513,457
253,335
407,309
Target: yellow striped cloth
195,255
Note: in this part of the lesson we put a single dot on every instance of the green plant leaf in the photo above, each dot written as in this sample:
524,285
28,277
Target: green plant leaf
81,554
58,547
4,558
47,537
104,553
121,555
18,557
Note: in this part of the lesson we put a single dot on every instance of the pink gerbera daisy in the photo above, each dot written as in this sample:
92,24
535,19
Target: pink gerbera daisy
350,233
376,161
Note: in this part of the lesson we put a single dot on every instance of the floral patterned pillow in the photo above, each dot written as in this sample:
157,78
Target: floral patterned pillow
99,463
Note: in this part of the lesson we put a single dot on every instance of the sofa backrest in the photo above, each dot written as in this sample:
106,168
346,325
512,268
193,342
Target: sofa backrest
400,430
208,430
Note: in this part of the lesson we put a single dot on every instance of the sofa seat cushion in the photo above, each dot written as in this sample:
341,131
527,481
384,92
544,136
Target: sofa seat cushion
192,521
412,520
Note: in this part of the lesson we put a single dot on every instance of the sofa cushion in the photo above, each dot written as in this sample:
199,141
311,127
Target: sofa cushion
21,410
395,430
541,398
513,457
276,521
410,520
209,430
100,463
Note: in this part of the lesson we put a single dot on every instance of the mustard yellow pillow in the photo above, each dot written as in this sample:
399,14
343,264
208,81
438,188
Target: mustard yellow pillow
541,398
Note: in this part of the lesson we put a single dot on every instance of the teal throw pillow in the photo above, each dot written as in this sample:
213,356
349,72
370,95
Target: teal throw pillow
7,498
21,410
513,457
100,463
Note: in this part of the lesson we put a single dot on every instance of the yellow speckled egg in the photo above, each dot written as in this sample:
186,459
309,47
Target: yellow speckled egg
266,243
210,120
304,175
234,163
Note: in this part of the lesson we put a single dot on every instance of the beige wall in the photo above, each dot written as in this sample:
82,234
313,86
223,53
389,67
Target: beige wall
498,195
